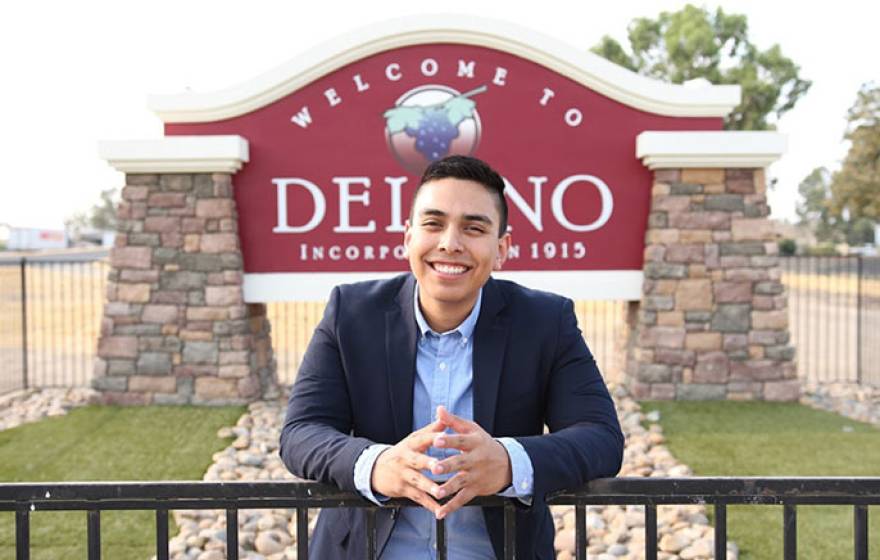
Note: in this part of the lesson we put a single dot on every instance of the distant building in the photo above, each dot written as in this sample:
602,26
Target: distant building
28,239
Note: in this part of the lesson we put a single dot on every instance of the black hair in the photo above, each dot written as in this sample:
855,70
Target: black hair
471,169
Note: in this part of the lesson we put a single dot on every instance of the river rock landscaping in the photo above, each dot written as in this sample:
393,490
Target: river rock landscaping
615,532
31,405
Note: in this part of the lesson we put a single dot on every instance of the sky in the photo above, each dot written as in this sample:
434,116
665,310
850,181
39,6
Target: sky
75,73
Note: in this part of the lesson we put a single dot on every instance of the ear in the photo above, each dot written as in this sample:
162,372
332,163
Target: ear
407,234
503,248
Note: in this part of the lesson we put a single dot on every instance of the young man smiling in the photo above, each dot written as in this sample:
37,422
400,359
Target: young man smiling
437,384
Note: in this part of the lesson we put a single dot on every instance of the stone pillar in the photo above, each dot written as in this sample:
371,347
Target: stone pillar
713,319
176,328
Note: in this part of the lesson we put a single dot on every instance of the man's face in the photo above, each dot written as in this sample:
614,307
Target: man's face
452,241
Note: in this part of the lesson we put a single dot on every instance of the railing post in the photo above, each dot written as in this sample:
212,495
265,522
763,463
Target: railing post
441,539
22,534
859,270
24,340
371,533
231,534
580,532
161,534
509,531
94,532
789,532
302,533
720,531
860,532
650,532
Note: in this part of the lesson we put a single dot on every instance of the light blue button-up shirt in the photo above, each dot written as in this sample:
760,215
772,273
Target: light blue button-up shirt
444,376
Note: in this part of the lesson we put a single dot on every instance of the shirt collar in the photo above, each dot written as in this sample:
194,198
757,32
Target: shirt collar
465,329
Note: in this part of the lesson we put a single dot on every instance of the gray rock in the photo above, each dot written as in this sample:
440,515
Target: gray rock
656,270
769,288
200,352
201,262
110,383
183,280
732,317
700,392
655,373
657,220
697,316
165,255
154,363
659,303
120,367
783,353
741,248
724,202
685,188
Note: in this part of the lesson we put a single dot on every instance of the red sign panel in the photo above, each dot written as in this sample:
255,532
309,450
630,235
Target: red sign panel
333,165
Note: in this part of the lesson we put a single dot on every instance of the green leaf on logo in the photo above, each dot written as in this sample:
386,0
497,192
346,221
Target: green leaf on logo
400,118
459,108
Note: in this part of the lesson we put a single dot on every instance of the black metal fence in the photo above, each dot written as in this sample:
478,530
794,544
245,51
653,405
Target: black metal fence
50,316
50,313
834,311
161,497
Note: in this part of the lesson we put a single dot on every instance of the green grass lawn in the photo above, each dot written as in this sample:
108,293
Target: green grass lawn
775,439
107,443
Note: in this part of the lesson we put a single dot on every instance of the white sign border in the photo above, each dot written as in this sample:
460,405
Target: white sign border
593,285
654,96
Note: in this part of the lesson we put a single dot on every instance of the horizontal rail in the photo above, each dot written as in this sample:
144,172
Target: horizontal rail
195,495
93,497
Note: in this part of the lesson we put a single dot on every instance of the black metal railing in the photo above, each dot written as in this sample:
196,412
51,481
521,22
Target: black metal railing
162,497
50,316
834,317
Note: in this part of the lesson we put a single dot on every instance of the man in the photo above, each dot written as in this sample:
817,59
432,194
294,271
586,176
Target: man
439,383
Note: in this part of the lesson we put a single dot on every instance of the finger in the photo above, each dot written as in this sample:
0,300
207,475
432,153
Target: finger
464,442
454,484
459,500
420,441
458,462
418,461
435,426
423,499
457,423
417,480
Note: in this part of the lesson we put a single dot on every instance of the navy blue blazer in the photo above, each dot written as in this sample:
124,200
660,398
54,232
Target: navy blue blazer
531,367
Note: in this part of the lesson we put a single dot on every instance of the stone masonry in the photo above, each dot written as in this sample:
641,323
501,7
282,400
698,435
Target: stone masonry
175,327
713,319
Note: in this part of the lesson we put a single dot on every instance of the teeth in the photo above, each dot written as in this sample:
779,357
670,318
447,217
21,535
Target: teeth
449,269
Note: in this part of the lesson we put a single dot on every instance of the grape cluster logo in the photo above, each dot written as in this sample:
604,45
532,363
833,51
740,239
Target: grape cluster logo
430,122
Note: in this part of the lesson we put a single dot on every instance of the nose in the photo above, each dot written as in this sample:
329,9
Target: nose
450,241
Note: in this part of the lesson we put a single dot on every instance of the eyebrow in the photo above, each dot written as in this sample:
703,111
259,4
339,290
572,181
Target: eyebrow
467,217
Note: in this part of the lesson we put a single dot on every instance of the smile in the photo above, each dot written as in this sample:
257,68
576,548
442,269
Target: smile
453,269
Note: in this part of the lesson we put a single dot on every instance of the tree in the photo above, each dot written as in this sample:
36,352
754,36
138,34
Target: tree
856,187
694,43
860,232
102,216
814,208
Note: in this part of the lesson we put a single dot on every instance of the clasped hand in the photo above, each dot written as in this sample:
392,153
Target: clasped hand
481,469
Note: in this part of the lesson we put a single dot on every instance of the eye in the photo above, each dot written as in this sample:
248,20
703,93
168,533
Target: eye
475,229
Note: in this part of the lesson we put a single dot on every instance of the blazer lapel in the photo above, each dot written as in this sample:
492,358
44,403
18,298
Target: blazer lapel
401,336
490,338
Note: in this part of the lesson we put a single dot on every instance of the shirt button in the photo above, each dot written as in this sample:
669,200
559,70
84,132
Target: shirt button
442,366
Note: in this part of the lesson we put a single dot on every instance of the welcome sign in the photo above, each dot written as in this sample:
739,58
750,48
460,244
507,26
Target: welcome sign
339,137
